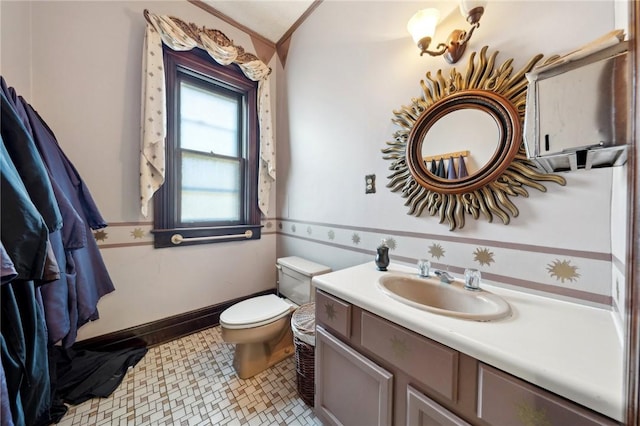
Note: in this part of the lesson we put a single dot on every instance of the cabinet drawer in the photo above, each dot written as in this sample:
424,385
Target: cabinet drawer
433,364
506,400
333,313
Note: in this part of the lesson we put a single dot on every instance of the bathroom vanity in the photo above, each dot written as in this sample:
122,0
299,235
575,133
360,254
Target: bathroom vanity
381,362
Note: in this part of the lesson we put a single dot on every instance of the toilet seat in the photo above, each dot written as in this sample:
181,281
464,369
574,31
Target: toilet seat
254,312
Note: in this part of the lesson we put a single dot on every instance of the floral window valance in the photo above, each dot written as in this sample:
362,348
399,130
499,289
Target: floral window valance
178,35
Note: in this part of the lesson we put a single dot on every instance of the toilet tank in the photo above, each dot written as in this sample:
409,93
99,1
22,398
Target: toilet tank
294,278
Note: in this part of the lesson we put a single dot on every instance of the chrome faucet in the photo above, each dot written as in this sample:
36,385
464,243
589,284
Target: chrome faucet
445,277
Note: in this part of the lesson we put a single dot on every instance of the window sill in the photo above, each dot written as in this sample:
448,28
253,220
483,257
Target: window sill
180,237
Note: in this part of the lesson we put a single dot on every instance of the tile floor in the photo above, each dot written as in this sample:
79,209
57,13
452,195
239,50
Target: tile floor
191,381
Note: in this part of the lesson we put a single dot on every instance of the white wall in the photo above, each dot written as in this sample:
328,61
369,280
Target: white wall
79,65
15,45
349,66
619,226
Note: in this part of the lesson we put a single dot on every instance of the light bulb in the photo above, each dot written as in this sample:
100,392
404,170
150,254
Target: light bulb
423,24
467,6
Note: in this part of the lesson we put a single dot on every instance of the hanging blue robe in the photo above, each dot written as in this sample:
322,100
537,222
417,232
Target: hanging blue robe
92,277
30,211
29,165
58,296
6,418
24,235
7,274
22,229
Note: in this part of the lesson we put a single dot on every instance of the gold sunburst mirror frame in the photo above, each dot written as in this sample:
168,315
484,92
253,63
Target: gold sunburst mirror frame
494,90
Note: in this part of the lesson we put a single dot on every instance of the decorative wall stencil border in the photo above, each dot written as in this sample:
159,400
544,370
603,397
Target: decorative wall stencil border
557,290
124,234
598,299
475,241
618,290
341,246
573,275
269,225
134,234
618,263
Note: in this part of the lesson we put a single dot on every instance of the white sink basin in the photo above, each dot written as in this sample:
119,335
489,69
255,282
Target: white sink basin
452,299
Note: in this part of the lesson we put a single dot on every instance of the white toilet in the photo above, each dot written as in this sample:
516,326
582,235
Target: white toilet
260,327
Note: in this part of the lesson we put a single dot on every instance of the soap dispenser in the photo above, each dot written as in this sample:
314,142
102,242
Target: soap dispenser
382,256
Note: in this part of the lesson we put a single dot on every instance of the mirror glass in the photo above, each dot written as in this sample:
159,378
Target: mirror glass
472,133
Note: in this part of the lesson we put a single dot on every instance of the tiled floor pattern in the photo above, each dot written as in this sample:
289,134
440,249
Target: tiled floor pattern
191,381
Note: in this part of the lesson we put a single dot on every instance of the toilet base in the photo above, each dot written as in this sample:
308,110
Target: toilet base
252,358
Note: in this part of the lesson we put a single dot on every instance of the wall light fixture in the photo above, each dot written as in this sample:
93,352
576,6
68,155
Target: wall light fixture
422,27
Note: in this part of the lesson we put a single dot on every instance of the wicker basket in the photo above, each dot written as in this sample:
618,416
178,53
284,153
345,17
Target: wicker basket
303,325
305,369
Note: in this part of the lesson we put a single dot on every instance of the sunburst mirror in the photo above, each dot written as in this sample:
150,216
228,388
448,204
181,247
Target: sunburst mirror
459,148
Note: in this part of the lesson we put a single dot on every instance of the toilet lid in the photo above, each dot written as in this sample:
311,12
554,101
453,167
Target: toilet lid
255,312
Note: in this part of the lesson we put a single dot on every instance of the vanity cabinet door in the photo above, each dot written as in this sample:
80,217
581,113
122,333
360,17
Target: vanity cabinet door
504,400
350,389
423,411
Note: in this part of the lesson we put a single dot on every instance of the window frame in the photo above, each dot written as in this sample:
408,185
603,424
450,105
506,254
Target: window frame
197,65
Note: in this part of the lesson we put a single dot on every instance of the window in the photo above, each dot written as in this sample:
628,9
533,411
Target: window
210,189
